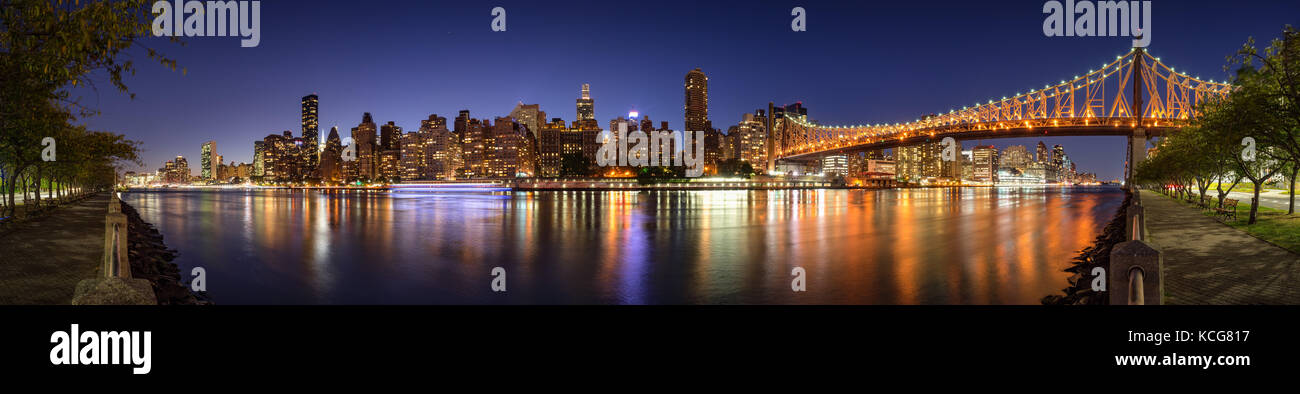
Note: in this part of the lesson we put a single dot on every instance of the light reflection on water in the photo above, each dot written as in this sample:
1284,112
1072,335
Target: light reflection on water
907,246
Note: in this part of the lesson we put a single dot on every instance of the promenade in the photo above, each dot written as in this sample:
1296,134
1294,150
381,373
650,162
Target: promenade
1207,262
42,260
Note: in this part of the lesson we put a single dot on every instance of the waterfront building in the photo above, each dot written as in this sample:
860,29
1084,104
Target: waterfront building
697,101
259,160
586,105
414,161
529,115
443,149
550,147
985,164
390,152
1016,157
208,160
835,165
364,137
310,134
474,142
331,159
510,150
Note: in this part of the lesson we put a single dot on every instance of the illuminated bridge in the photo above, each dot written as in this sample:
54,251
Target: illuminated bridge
1135,95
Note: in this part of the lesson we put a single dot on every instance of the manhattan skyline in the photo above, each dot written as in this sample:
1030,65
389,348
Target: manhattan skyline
235,95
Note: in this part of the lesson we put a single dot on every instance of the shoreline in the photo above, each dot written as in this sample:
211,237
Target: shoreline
1079,292
151,260
454,187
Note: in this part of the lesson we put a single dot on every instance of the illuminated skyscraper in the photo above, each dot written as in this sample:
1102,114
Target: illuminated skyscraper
586,106
363,136
209,160
550,141
259,158
529,115
331,158
697,101
390,152
310,132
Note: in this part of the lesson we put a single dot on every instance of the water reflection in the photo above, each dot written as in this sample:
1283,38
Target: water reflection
911,246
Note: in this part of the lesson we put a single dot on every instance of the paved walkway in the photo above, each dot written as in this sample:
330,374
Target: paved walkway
41,261
1207,262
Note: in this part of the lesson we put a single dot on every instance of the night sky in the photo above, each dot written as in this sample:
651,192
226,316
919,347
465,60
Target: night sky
859,62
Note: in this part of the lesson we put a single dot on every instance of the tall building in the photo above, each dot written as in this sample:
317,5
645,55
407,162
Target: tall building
259,158
529,115
414,162
331,159
208,161
510,151
310,132
1016,157
390,152
697,101
550,147
442,149
363,136
751,139
275,168
1058,164
922,161
586,106
474,144
985,164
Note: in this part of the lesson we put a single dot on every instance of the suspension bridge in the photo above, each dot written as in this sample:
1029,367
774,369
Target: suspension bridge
1136,95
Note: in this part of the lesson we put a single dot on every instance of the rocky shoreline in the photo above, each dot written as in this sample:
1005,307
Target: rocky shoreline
1098,255
151,260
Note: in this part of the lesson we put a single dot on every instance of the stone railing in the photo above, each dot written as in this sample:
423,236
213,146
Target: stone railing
1135,264
115,286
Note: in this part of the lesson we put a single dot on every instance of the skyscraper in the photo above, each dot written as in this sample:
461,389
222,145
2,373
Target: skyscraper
586,106
310,132
550,144
390,152
529,115
363,136
697,101
331,158
209,160
259,158
985,166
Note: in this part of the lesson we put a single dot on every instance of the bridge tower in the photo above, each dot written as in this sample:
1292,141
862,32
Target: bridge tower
1137,142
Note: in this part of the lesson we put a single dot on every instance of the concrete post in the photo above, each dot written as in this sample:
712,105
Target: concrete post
115,262
1124,259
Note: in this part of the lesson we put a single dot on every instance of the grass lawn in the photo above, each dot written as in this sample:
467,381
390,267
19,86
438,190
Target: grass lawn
1272,225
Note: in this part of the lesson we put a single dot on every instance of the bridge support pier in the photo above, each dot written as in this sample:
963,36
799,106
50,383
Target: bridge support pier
1137,153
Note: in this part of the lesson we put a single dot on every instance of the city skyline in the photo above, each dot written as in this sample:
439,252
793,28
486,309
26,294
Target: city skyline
848,86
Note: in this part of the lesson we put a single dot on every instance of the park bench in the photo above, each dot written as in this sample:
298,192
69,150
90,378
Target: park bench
1228,209
1205,202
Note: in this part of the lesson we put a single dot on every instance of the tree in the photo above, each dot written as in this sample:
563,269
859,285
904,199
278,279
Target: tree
1270,81
45,48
